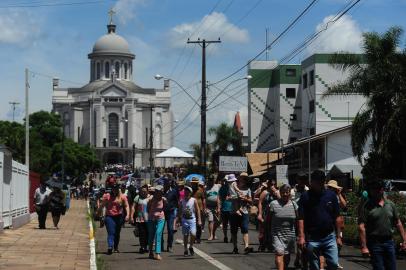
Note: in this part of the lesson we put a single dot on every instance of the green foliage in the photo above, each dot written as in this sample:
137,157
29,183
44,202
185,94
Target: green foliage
382,121
46,146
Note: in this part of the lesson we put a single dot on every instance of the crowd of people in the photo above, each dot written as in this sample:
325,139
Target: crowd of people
304,219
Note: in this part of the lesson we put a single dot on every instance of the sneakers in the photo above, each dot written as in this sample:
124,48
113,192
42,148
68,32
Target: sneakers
248,250
340,267
116,250
142,250
235,251
191,251
185,253
109,251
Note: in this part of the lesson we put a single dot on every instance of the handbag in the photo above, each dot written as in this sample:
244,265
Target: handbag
253,210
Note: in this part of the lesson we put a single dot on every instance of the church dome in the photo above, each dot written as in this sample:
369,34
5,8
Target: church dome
111,43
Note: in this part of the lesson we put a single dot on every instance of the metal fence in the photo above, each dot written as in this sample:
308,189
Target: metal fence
14,190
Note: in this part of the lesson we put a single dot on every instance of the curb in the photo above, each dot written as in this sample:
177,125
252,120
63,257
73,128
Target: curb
93,265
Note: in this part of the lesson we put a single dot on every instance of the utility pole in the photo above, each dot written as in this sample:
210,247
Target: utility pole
27,123
14,104
151,146
203,148
63,149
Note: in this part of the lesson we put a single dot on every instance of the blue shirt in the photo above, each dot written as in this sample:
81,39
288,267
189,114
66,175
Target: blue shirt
172,198
319,212
226,205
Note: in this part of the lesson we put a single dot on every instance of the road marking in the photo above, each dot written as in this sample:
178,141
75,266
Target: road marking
207,257
92,245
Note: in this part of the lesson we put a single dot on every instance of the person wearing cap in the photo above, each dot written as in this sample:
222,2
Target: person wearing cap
199,195
156,221
240,215
377,219
282,216
180,186
189,213
115,204
319,227
225,205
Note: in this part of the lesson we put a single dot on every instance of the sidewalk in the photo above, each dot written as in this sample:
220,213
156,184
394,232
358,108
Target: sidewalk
66,248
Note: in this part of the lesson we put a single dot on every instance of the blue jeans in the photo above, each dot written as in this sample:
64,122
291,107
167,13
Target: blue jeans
113,227
170,218
326,246
155,230
383,255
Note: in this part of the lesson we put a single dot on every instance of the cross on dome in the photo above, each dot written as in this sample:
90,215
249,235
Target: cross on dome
111,14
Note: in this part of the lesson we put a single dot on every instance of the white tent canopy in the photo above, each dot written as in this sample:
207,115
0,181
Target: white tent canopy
174,152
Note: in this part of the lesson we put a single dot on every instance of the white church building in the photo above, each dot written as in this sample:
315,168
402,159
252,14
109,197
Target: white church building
111,112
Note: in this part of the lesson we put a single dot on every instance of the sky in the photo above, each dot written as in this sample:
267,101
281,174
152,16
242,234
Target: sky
53,37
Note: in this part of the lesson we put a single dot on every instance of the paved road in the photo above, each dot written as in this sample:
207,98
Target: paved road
215,251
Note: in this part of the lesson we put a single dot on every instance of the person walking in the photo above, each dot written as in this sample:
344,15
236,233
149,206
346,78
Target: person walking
225,205
318,225
189,213
41,199
377,219
140,212
156,222
268,195
240,216
283,215
212,193
199,195
171,210
57,205
115,204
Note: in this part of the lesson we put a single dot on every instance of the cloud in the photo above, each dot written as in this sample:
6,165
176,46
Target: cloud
210,27
344,35
126,9
18,27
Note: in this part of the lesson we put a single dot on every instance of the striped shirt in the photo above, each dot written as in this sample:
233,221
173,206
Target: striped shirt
283,218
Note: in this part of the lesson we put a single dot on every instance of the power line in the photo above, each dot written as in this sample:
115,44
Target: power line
273,42
39,4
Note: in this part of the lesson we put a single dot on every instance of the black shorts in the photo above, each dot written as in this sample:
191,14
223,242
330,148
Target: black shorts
238,221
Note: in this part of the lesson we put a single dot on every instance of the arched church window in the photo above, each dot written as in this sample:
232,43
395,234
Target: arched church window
98,71
125,71
117,69
113,129
107,70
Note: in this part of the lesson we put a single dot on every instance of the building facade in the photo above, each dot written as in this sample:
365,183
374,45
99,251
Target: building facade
111,112
286,102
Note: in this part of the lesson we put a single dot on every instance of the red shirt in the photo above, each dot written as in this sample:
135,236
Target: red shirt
114,207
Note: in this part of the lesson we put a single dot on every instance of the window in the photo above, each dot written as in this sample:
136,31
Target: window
290,92
293,117
117,69
113,129
107,70
97,71
311,106
311,77
125,71
305,81
312,131
291,72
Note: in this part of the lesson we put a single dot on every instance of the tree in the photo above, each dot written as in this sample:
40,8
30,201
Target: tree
380,76
46,146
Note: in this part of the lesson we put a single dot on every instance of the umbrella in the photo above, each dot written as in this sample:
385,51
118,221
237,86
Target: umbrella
195,175
54,183
125,177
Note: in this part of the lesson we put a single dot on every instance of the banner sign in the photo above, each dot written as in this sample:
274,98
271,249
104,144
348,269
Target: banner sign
233,164
282,174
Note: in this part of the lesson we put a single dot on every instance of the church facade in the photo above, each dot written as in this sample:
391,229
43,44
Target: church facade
111,112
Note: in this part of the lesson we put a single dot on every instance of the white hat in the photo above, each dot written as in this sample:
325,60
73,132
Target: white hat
231,178
189,188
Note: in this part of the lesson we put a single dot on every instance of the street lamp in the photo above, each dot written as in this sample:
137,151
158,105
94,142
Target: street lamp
248,77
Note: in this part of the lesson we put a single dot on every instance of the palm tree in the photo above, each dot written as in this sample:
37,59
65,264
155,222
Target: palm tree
380,76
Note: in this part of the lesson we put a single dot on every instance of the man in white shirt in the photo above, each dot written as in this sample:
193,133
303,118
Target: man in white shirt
41,198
